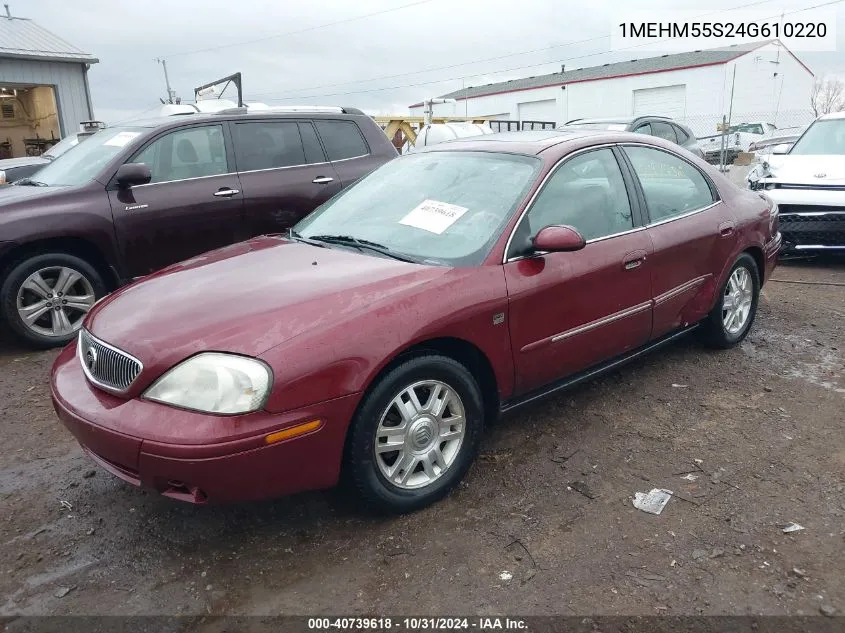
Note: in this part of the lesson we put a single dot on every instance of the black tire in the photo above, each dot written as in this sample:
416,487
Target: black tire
19,272
714,332
360,465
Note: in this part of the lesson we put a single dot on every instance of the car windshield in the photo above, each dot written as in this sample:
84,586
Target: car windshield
435,207
62,146
85,162
826,137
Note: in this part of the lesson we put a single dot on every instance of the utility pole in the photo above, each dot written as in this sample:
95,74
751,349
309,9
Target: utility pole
171,94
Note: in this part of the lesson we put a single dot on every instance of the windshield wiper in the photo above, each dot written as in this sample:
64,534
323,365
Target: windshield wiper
348,240
305,240
30,183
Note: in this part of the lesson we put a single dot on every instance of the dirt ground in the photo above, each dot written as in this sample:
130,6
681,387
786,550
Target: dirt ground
749,440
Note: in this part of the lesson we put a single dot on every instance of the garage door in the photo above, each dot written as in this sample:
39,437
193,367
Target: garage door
545,110
668,101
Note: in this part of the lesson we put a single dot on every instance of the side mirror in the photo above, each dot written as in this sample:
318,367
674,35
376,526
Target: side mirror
558,239
131,174
781,148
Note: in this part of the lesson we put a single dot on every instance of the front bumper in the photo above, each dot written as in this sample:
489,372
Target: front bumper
810,219
206,458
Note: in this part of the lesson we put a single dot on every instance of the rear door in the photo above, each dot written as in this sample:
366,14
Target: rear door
347,149
192,204
283,171
691,230
568,311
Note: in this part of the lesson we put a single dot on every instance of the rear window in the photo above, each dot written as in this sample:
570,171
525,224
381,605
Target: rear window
342,139
683,137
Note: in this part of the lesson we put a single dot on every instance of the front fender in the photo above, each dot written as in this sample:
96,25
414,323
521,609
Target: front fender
327,363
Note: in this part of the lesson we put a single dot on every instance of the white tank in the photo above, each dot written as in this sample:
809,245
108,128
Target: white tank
434,133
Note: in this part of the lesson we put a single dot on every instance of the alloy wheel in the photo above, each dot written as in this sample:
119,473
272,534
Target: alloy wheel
737,300
54,300
420,434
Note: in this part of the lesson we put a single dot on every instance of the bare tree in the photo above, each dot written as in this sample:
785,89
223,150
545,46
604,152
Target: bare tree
827,95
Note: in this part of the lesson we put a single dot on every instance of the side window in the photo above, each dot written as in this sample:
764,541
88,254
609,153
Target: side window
671,185
342,139
313,150
661,129
683,137
586,192
645,128
187,153
267,145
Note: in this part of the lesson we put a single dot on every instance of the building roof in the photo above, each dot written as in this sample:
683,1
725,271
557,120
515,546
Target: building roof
663,63
21,38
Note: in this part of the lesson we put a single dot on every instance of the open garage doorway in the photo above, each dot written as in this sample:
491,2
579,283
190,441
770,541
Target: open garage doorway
29,120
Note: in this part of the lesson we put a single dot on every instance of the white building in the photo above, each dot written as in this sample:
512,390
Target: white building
771,84
44,93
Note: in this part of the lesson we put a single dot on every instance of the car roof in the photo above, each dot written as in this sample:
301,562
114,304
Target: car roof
529,142
618,119
237,114
833,115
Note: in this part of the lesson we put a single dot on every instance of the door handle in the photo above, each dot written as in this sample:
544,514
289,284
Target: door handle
726,229
633,260
226,193
322,180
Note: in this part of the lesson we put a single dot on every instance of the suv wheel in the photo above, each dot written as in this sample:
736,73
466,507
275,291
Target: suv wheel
415,434
45,298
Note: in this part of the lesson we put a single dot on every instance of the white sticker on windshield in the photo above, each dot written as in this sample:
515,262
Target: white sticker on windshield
121,139
433,216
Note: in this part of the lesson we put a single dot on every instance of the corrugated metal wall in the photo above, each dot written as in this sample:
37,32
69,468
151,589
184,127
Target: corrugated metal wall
68,80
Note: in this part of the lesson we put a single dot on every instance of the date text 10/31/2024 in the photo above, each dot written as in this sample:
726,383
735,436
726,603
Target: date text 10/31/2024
417,624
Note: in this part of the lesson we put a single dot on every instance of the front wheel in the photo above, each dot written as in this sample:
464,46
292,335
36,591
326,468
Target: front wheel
731,318
45,298
415,434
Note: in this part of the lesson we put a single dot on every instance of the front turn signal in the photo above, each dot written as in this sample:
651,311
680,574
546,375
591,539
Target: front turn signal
294,431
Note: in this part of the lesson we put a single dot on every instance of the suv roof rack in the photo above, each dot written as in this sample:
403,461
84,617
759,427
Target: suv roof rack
246,109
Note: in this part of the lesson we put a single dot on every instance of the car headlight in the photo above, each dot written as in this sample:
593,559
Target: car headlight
2,177
212,382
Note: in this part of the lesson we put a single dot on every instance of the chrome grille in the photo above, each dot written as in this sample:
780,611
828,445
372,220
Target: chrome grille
107,366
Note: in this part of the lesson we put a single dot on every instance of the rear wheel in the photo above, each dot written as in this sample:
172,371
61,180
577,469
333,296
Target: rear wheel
731,318
45,298
416,434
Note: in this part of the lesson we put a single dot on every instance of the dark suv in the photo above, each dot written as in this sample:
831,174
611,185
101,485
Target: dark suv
135,198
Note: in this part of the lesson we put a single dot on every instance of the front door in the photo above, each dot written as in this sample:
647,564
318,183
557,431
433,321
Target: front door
283,171
568,311
192,204
692,232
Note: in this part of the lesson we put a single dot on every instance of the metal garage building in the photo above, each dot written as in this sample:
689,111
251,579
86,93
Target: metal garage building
771,84
44,92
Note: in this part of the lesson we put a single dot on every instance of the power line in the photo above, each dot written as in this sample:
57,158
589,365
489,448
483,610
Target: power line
299,31
488,59
426,70
493,72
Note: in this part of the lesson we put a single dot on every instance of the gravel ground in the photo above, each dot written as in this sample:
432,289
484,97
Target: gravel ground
749,440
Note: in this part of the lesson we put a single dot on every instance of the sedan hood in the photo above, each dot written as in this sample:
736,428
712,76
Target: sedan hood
248,298
807,170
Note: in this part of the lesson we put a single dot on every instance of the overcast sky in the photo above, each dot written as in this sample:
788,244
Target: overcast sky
383,54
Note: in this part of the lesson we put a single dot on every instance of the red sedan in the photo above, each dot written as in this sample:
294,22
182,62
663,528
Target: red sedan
375,341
